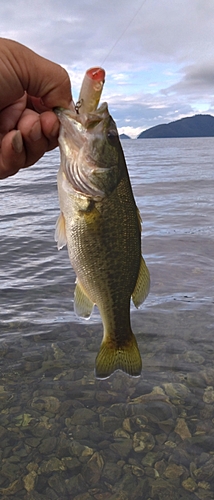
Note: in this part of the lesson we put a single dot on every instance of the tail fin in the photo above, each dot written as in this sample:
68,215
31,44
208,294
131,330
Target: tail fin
126,358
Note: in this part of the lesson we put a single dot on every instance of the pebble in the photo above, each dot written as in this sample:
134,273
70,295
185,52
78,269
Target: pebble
194,357
162,489
84,496
47,445
13,488
75,484
108,423
182,429
204,484
189,484
29,481
122,447
93,469
208,376
54,464
82,416
206,471
143,441
208,396
46,403
120,433
149,459
65,435
173,471
176,390
112,472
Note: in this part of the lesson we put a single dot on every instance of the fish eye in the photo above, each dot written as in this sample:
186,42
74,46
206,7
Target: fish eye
112,134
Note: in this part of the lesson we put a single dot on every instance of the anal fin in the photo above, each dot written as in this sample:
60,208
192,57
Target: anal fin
83,306
142,285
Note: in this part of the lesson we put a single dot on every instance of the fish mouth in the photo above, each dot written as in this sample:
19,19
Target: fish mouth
74,127
86,120
82,171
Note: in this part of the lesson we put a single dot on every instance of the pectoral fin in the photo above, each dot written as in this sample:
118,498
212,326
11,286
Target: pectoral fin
83,306
142,285
60,233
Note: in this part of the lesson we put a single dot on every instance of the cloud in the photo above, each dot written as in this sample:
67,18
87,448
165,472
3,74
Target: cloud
90,29
147,111
158,55
197,79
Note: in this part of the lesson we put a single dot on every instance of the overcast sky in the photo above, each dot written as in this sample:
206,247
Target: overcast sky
158,54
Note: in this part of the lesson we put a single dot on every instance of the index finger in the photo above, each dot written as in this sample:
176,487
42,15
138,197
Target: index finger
24,70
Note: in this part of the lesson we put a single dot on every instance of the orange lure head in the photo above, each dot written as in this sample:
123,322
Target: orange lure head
91,90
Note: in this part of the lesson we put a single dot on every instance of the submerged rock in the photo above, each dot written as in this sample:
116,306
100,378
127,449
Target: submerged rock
174,471
194,357
13,488
121,434
208,396
66,436
75,484
143,441
206,471
84,496
29,480
176,390
59,486
82,416
47,445
54,464
162,489
208,376
112,472
93,469
122,447
120,495
149,459
46,403
109,423
182,429
189,484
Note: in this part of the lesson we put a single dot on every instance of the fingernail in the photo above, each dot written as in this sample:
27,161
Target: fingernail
17,142
35,133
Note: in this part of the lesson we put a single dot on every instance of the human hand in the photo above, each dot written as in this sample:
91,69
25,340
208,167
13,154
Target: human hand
30,87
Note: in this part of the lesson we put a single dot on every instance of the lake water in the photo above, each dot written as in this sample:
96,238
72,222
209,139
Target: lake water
65,435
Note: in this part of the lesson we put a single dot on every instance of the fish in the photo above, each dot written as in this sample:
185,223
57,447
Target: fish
101,225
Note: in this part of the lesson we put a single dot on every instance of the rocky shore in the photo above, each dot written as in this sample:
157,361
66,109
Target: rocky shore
66,436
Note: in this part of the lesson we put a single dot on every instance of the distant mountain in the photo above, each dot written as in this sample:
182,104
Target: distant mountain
124,136
195,126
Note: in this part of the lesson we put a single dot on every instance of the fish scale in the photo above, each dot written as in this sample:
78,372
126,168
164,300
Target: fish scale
103,241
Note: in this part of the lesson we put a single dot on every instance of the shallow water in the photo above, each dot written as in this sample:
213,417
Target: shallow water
65,435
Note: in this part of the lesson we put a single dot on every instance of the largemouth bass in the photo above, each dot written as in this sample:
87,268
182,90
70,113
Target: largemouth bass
101,225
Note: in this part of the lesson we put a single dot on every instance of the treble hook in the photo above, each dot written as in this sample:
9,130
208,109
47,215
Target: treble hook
78,106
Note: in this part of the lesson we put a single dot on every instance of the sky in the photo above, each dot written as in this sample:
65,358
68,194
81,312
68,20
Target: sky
158,54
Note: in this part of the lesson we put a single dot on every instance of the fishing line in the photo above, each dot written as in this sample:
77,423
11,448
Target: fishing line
123,32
